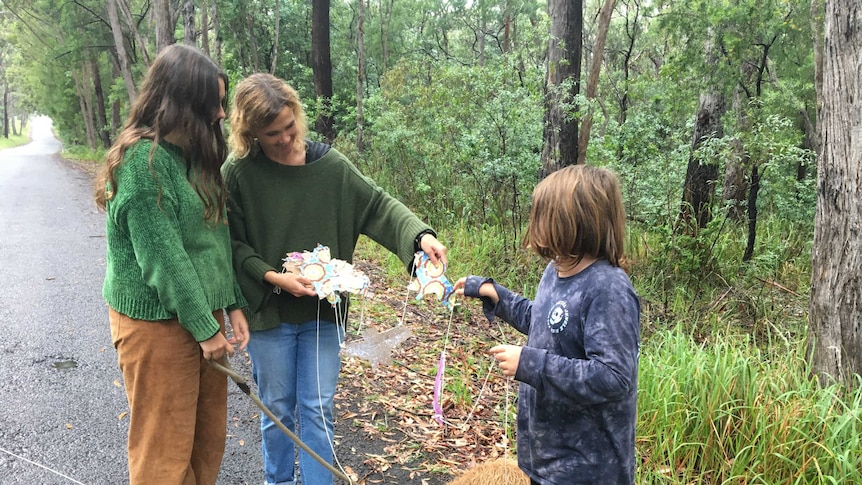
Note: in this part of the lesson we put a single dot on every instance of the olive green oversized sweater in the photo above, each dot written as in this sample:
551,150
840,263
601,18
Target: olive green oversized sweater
276,209
164,260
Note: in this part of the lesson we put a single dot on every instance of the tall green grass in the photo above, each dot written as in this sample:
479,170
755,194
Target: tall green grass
724,412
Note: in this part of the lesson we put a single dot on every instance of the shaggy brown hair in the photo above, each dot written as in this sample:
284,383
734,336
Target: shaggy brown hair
179,95
577,212
501,471
258,101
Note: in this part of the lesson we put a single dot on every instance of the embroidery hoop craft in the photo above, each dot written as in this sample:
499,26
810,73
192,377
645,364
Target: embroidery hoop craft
431,280
329,277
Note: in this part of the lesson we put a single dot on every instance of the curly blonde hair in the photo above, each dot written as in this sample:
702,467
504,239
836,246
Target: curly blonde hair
257,102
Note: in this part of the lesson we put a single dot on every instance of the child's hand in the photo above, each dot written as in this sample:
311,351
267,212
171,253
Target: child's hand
485,289
459,286
508,357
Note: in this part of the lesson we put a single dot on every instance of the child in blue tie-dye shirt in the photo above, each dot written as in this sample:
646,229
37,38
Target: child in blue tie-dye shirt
577,402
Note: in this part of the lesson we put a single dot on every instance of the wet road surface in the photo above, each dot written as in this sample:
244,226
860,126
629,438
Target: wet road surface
63,410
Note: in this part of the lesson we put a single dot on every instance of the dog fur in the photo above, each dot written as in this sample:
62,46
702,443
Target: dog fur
501,471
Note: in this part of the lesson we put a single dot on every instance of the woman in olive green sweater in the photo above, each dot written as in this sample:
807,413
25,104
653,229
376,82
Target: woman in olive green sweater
169,275
289,194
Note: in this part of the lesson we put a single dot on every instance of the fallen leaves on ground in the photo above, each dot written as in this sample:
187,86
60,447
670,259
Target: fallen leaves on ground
393,404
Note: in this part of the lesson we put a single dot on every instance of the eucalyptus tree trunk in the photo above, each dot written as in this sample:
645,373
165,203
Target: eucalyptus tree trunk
360,73
217,33
593,80
252,40
386,7
562,83
164,27
101,117
6,109
84,101
835,310
205,28
735,186
275,38
632,30
115,104
700,176
321,66
190,34
120,45
141,42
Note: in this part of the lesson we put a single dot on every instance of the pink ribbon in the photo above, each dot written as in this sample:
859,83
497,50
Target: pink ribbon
438,388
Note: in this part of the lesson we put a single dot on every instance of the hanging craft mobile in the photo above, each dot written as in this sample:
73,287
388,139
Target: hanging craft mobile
431,280
328,276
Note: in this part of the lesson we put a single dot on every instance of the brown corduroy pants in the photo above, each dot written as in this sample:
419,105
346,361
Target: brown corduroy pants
177,403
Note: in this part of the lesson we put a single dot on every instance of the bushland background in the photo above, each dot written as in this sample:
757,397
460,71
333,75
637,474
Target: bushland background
733,126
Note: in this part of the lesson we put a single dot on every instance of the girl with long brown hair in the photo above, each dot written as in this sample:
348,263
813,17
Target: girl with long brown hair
169,277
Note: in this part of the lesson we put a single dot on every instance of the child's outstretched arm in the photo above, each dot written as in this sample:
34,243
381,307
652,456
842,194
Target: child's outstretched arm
497,301
485,289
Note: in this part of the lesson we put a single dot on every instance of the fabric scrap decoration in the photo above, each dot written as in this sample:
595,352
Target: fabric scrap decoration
431,280
328,276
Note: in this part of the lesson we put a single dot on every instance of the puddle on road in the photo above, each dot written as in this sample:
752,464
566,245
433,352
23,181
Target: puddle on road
65,364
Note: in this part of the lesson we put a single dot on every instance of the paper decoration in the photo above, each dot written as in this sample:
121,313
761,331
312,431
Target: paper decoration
328,276
431,280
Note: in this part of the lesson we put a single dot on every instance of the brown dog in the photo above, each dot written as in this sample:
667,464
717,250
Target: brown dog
501,471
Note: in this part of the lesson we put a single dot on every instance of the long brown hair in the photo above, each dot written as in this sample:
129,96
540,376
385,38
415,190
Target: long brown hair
179,95
258,101
577,212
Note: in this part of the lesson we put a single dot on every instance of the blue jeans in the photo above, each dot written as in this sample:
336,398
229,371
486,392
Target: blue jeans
295,367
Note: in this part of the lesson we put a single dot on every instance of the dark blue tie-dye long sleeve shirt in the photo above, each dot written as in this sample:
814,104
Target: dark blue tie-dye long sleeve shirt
577,402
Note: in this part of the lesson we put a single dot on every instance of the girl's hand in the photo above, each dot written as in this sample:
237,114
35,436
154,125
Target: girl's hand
435,250
296,285
508,357
240,329
216,347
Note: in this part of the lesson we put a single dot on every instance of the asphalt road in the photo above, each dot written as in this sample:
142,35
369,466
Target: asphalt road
62,405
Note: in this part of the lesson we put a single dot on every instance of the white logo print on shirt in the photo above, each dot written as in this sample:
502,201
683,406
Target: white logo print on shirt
559,317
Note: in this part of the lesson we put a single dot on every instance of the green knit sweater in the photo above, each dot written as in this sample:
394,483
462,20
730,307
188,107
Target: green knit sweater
164,260
275,209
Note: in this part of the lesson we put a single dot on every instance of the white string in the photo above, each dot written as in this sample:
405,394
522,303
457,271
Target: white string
505,407
41,466
329,438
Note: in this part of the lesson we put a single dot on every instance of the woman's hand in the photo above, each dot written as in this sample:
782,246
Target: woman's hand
216,347
296,285
508,357
435,250
240,329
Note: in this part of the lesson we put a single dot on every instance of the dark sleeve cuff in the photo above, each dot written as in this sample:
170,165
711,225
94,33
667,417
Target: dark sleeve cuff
418,238
471,289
